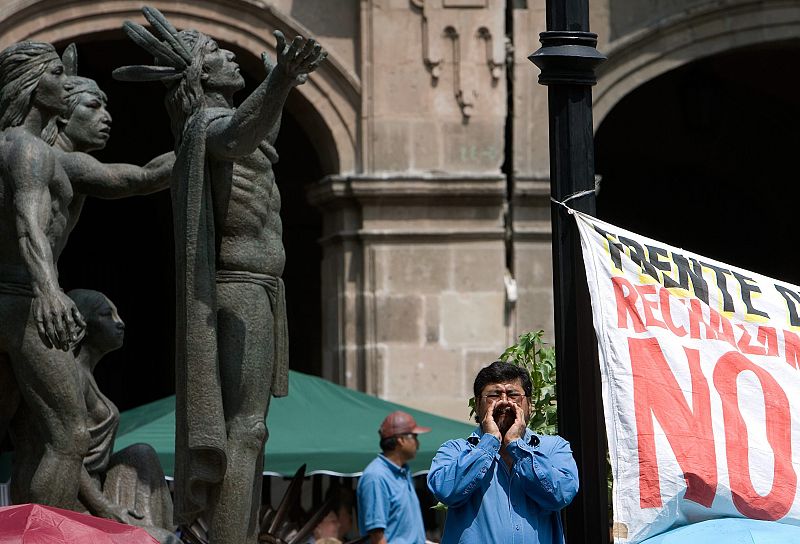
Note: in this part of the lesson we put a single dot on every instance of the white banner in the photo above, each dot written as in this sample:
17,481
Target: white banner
700,365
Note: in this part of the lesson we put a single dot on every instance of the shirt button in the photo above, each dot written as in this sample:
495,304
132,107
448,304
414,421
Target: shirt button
517,527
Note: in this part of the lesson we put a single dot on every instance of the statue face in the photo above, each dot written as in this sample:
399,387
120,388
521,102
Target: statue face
220,72
104,328
89,126
50,90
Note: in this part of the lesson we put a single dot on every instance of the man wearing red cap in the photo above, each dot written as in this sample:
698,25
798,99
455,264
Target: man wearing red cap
388,508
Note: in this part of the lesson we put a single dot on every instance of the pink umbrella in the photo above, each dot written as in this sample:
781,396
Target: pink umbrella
37,524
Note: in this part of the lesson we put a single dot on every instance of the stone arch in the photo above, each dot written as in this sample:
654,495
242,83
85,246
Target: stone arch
701,158
700,32
329,101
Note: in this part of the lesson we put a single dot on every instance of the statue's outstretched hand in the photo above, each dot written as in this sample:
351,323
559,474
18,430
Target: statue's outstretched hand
58,320
299,58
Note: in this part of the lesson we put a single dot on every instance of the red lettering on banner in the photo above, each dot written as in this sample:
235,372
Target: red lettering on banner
723,330
666,312
768,337
747,500
656,393
696,319
791,349
649,305
746,347
626,304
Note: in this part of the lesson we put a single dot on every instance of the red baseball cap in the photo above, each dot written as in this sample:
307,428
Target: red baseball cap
398,423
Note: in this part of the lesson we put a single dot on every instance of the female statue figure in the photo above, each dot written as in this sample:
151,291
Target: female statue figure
127,486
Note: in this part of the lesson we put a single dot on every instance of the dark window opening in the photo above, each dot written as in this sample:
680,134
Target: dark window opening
704,158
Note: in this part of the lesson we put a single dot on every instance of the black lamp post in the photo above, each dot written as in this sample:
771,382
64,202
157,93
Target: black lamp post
567,60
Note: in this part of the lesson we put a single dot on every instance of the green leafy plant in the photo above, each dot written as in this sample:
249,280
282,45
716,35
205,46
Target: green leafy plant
539,359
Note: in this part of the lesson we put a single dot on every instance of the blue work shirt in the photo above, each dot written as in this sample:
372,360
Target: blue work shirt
387,500
489,503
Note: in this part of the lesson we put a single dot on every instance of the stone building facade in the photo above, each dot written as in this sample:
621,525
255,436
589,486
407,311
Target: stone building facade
428,135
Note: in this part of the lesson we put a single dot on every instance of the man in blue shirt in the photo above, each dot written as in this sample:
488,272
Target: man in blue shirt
504,484
388,508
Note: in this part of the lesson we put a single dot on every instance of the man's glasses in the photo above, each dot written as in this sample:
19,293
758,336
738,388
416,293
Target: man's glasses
513,396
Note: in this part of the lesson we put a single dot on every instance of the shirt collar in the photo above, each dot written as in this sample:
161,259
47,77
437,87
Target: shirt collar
398,470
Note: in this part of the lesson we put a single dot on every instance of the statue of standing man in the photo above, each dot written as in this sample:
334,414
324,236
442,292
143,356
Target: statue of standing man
40,323
42,189
231,338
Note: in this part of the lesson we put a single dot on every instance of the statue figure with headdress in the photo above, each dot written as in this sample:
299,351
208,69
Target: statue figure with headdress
231,338
40,323
42,190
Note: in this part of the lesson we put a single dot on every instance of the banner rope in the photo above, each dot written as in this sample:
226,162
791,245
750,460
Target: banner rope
579,194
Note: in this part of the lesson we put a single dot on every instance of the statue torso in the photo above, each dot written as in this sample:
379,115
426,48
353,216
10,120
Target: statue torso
251,232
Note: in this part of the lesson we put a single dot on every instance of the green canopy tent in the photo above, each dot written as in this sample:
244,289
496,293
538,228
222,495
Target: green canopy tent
334,430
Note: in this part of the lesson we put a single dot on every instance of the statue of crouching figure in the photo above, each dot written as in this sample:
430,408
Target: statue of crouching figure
127,486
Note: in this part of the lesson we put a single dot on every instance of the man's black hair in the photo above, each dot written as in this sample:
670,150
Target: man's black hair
388,444
498,372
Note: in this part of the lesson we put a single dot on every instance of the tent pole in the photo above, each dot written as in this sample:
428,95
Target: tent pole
567,60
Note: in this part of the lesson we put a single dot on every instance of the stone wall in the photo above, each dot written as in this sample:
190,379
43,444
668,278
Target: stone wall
432,100
441,184
413,272
415,246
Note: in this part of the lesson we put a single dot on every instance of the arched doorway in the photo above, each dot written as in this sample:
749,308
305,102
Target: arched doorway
703,157
124,248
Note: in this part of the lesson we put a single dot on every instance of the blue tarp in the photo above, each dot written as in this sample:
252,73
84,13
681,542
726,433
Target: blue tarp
730,531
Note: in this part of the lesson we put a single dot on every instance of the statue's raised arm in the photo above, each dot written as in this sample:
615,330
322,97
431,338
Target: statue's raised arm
254,119
85,127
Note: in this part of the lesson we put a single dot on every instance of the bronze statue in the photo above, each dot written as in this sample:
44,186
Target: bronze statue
127,486
37,316
231,339
38,188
